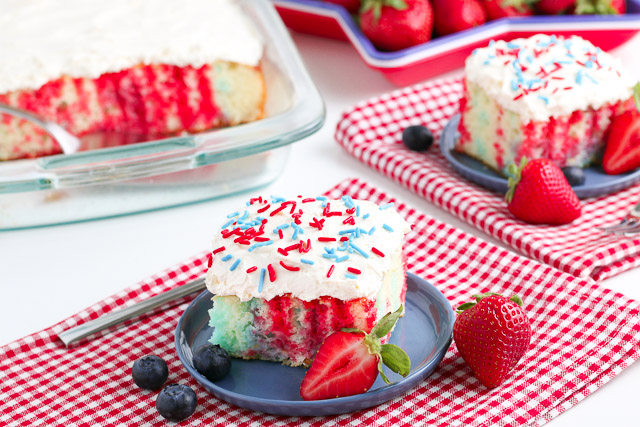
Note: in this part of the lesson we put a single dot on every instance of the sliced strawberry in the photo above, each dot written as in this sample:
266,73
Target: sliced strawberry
540,194
349,361
622,152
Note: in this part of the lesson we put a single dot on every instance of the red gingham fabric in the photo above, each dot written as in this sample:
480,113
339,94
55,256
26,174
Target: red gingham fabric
583,336
372,132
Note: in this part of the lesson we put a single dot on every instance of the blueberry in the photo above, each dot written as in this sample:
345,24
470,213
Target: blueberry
574,175
417,138
149,372
212,361
176,402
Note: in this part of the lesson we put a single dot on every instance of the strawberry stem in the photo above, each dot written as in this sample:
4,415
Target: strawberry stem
478,297
377,6
515,175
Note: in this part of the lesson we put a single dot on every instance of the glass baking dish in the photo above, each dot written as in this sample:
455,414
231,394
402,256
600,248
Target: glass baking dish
173,171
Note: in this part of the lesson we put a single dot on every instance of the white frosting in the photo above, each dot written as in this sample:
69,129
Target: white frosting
531,76
311,281
43,40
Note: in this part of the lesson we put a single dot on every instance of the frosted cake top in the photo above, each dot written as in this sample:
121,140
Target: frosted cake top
308,247
46,39
545,76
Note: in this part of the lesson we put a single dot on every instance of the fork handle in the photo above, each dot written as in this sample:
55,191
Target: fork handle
76,333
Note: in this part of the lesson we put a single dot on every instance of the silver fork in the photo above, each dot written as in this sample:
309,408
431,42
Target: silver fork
68,142
630,224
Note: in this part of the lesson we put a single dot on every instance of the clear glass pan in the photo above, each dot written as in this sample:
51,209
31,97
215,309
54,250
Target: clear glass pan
178,170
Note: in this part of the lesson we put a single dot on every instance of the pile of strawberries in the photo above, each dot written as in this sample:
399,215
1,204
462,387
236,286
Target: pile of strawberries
398,24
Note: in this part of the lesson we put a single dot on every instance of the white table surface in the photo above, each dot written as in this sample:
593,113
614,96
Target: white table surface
51,273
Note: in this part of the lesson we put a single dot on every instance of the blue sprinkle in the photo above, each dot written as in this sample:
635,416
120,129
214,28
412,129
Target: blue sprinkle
260,244
248,204
259,220
358,232
276,199
492,43
261,280
514,85
244,215
231,215
486,62
228,223
280,227
360,251
350,276
570,55
544,98
351,230
553,39
357,210
235,264
591,78
343,247
579,77
321,198
307,261
387,227
512,45
371,230
475,51
529,59
567,44
342,258
297,230
365,216
329,250
348,201
227,257
388,205
330,256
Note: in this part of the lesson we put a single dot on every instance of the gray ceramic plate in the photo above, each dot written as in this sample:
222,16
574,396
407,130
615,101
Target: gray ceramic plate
424,333
597,182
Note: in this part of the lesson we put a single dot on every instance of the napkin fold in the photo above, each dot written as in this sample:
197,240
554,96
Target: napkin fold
583,336
371,131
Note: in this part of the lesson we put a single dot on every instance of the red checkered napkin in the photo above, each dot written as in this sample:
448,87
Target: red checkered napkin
583,336
372,130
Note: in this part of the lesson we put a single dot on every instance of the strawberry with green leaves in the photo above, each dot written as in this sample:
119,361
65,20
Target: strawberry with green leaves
622,152
349,360
451,16
396,24
600,7
497,9
492,334
540,194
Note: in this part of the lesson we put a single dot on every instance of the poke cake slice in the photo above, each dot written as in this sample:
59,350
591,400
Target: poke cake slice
541,97
149,70
285,274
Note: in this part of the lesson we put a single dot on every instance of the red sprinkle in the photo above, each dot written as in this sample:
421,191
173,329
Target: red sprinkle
557,78
349,220
518,97
283,252
220,249
272,273
310,199
344,239
280,233
567,88
278,209
304,248
261,239
326,239
353,270
242,242
210,261
351,211
252,269
317,223
333,214
264,208
377,252
292,247
330,271
289,267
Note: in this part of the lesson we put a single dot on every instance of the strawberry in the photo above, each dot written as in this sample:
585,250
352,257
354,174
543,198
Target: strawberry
600,7
554,7
349,361
351,5
492,334
622,152
497,9
540,194
396,24
452,16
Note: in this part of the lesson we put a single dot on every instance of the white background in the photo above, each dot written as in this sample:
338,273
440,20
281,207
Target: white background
48,274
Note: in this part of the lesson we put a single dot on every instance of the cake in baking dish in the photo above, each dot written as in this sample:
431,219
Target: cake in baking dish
285,274
541,97
149,68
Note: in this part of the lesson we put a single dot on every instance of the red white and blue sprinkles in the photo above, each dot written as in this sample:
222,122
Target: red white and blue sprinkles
253,233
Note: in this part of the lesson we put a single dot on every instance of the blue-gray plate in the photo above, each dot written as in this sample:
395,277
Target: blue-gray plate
424,332
597,183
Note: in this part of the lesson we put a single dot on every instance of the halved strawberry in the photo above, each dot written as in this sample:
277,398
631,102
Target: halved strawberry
622,152
349,361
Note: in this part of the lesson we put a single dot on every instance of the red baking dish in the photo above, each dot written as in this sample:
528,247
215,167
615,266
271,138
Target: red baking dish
447,53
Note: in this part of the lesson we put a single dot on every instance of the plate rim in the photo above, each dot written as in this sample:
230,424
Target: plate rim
446,142
371,398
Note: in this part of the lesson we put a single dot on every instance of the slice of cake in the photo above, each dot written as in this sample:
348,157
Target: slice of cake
288,273
147,69
541,97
